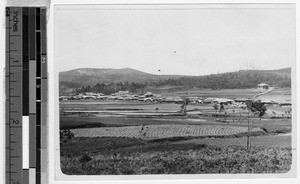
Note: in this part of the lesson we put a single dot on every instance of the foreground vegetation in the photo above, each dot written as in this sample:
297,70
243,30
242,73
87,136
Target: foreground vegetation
107,156
205,159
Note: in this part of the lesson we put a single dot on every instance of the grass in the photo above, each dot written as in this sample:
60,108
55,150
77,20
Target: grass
78,146
79,122
69,122
72,122
112,145
180,159
204,93
256,141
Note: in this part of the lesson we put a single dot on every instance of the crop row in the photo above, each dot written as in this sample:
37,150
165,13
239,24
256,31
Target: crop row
161,131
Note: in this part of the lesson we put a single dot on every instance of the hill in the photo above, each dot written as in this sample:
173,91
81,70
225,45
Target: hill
91,76
233,80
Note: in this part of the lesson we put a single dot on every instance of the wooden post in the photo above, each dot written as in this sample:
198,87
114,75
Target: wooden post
248,134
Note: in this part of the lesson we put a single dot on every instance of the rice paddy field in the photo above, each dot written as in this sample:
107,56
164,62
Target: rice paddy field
127,137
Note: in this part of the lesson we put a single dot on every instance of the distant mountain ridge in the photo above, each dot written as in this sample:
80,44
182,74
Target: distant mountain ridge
92,76
240,79
283,71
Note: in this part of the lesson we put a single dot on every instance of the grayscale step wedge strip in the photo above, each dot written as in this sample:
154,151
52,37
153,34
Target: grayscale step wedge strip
25,176
38,96
25,82
32,92
25,62
44,99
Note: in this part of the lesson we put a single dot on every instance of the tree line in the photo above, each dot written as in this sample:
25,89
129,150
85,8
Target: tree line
236,80
111,87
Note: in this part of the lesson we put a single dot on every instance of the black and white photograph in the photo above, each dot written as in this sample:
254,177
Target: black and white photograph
164,89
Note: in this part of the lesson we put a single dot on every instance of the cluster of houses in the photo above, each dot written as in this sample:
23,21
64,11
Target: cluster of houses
128,96
156,98
152,97
121,95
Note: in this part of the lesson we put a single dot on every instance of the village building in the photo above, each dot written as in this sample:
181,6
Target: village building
208,100
241,100
93,94
121,93
64,98
223,101
263,86
148,94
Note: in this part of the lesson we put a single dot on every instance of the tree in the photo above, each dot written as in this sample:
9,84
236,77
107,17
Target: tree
222,108
257,108
183,106
216,107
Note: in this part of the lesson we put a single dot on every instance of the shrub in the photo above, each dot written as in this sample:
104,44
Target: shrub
85,158
65,136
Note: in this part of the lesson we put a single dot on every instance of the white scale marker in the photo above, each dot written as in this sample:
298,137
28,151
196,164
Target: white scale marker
25,141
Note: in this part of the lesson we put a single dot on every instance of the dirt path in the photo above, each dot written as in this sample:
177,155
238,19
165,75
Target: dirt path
262,93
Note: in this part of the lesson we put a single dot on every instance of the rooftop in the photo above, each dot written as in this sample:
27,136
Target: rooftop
262,84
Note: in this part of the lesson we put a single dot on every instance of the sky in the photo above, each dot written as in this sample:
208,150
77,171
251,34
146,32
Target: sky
181,40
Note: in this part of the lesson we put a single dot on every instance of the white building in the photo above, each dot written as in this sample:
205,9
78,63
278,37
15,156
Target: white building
263,86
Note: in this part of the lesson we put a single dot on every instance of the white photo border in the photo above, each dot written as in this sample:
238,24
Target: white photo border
54,156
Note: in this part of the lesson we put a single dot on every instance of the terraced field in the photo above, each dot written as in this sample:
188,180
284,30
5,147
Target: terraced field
161,131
